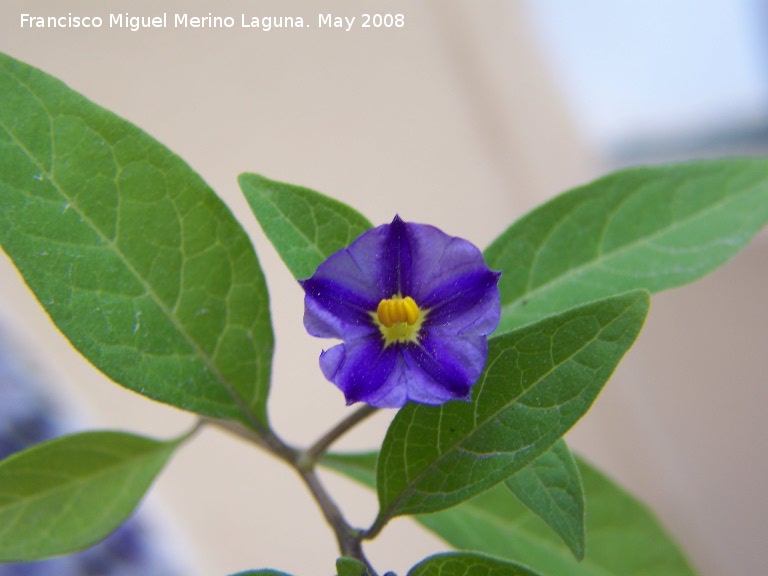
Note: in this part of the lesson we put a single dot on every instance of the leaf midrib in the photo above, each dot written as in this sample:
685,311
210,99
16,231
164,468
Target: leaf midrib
543,543
605,257
414,480
76,482
312,243
240,402
471,509
547,489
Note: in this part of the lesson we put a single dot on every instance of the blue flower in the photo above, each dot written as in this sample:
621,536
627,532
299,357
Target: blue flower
412,307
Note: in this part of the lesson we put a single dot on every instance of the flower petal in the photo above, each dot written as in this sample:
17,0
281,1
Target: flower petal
449,367
362,369
448,279
469,304
333,310
452,280
345,288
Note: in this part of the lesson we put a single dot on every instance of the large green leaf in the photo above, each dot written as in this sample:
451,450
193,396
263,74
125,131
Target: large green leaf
551,488
133,256
465,564
652,228
537,383
69,493
623,537
304,226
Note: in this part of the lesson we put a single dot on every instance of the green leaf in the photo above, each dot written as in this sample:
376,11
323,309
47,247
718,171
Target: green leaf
551,488
360,466
652,228
465,564
304,226
69,493
538,382
133,256
350,567
623,536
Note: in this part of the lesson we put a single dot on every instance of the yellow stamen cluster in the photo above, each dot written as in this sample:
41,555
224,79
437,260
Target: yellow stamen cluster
399,319
395,310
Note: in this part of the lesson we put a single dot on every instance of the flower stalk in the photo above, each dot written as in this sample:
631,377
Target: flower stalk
413,308
316,451
349,539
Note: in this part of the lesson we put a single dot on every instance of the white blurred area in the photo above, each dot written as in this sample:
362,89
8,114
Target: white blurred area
468,117
656,74
682,422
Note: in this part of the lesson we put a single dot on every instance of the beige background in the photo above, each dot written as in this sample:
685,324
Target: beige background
451,120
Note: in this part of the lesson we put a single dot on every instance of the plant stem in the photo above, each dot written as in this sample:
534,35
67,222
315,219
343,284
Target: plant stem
347,537
315,452
304,461
374,530
267,439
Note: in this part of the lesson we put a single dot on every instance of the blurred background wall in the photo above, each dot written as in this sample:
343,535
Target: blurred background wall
466,118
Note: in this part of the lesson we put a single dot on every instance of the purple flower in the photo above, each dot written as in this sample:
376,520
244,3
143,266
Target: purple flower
413,308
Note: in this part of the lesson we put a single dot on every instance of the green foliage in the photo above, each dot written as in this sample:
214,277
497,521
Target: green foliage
652,228
551,488
360,466
69,493
304,226
538,382
133,256
148,274
465,564
350,567
623,537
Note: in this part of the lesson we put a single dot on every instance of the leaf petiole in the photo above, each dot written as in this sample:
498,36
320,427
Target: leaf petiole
316,451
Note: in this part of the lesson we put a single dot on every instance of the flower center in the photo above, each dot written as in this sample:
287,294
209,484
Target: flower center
399,319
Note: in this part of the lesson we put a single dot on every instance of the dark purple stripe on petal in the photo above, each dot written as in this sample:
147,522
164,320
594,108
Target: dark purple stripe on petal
320,322
470,300
453,363
359,368
348,305
332,310
397,261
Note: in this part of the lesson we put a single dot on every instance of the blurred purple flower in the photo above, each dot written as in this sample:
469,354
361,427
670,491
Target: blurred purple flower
413,308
